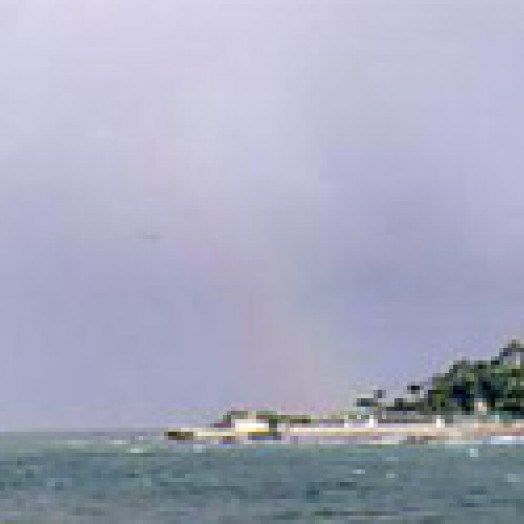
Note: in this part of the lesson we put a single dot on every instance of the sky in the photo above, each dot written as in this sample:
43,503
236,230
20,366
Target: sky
209,204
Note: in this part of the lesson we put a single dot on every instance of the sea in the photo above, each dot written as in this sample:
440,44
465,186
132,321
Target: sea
141,478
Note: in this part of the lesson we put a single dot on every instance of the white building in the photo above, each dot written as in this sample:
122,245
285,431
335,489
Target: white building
249,425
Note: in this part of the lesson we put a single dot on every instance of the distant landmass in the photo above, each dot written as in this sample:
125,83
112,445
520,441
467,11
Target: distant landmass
472,400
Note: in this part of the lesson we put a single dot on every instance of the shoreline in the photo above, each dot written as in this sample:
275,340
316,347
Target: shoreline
357,434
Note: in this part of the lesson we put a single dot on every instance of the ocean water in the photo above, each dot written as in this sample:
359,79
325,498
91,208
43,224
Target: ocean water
109,478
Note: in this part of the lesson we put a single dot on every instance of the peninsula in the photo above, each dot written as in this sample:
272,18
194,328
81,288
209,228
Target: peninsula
473,400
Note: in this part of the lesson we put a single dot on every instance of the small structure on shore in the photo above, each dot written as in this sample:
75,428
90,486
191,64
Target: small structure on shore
250,425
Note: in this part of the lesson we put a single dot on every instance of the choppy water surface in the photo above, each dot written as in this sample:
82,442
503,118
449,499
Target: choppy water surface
123,478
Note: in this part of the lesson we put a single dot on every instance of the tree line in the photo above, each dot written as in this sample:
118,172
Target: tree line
494,385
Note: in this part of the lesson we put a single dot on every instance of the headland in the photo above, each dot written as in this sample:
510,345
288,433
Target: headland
472,401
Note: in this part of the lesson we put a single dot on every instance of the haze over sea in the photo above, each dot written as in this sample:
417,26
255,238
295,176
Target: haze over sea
140,478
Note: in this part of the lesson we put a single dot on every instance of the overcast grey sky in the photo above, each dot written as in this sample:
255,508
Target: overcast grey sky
215,203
